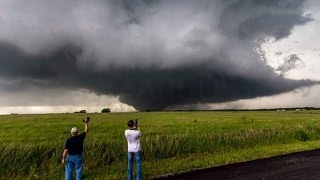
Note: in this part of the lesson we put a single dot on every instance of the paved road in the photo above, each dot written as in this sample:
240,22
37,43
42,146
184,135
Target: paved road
295,166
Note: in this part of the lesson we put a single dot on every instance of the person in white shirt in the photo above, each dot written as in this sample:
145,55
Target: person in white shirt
133,135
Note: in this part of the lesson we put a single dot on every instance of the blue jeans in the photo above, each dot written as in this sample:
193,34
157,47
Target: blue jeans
74,162
137,156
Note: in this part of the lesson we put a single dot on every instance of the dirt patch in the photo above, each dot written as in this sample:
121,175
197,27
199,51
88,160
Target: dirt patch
302,165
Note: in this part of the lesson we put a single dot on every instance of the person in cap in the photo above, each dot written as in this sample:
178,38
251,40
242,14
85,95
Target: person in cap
72,154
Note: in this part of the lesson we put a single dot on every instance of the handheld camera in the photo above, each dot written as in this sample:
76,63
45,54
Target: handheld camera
86,120
136,124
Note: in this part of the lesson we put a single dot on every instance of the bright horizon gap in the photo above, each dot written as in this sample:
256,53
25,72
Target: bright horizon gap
284,100
249,109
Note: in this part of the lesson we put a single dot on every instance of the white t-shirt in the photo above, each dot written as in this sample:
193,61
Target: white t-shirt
133,138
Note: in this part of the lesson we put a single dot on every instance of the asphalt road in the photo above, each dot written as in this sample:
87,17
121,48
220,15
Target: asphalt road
296,166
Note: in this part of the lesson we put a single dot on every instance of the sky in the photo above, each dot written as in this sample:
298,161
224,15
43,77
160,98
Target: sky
129,55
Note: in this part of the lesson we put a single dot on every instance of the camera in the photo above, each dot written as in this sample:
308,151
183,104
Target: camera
86,120
136,124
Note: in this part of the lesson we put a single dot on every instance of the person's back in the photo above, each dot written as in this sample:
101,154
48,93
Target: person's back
75,144
133,135
133,139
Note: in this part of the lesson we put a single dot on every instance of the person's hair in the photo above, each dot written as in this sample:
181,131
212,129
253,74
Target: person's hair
131,123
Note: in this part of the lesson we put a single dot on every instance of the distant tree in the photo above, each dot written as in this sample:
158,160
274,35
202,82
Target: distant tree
106,110
83,111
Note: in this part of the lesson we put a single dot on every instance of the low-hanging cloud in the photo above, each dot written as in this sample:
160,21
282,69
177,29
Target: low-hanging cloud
152,54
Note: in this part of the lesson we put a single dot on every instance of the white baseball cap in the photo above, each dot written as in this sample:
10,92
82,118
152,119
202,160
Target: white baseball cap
74,130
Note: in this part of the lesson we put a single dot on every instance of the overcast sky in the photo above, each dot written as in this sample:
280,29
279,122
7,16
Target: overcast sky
67,55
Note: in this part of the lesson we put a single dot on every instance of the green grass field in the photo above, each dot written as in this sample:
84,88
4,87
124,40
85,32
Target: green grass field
31,145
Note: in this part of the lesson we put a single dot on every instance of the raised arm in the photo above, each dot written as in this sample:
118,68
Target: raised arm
86,122
138,129
86,125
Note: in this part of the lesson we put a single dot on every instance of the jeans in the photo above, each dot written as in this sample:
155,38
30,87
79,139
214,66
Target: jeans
137,156
74,162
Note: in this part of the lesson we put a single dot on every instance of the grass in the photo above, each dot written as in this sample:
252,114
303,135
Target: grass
31,145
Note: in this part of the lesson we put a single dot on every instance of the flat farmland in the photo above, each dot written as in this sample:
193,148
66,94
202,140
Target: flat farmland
31,145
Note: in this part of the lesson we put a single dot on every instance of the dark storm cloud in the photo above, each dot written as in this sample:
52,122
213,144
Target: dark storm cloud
153,54
143,88
253,18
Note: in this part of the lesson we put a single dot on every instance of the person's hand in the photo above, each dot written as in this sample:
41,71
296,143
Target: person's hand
63,161
87,120
136,126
